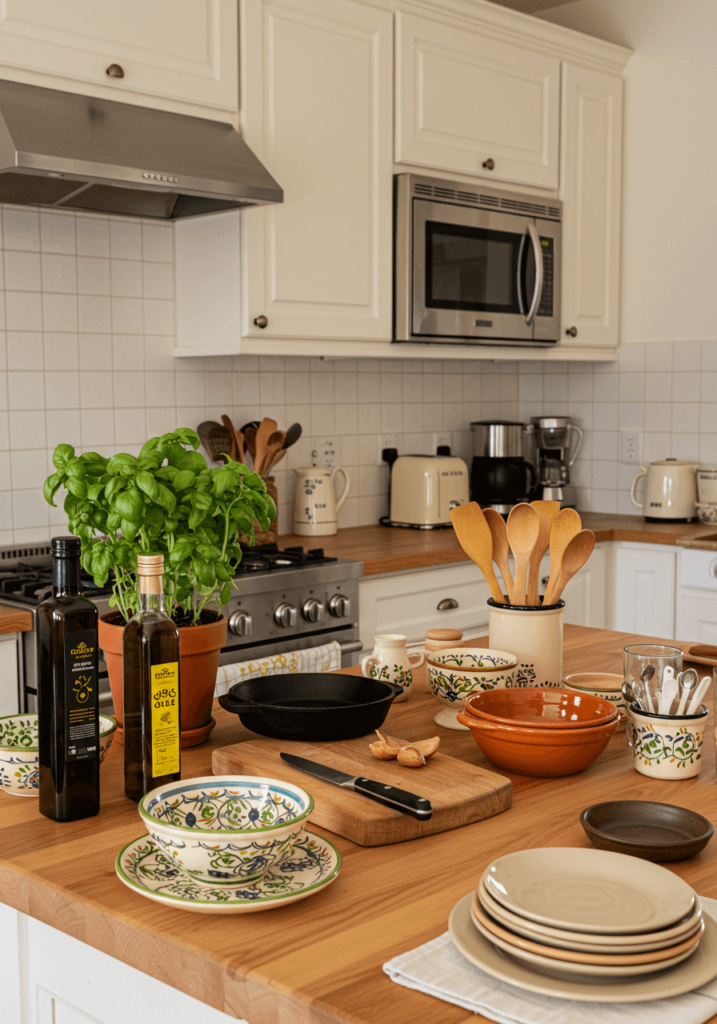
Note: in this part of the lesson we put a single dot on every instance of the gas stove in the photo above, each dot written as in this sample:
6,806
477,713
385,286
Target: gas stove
283,600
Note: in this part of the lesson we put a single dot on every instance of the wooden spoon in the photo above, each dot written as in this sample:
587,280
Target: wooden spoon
574,557
265,430
501,547
565,525
523,528
475,538
249,433
547,511
234,450
274,445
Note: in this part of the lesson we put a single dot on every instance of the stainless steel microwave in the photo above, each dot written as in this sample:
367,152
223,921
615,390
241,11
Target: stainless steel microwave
475,265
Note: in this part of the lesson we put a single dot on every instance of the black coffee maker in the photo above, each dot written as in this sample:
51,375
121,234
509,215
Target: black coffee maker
500,476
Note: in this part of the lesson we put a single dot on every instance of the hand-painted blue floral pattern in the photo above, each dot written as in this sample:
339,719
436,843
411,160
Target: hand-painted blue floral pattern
219,808
19,773
309,863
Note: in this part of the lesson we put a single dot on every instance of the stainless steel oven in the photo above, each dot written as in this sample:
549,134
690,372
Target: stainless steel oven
475,265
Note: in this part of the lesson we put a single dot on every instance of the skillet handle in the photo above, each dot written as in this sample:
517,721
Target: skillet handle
230,703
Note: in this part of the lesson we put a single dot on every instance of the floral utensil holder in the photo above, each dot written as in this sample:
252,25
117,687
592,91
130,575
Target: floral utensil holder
535,635
666,746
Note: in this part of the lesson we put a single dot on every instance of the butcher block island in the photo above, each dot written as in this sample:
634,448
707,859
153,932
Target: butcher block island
316,961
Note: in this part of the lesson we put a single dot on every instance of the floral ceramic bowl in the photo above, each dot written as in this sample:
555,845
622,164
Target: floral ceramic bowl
19,768
455,673
226,829
706,512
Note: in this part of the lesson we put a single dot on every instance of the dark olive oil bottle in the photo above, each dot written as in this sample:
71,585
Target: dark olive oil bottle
150,655
68,711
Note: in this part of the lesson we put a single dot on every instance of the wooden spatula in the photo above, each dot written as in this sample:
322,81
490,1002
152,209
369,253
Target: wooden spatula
234,450
264,431
475,538
547,511
574,557
523,527
274,445
501,548
216,439
565,525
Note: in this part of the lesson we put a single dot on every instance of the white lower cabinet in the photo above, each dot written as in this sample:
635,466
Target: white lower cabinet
50,978
641,582
9,694
696,613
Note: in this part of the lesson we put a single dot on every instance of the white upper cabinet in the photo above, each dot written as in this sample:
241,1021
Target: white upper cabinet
470,103
316,108
591,193
173,54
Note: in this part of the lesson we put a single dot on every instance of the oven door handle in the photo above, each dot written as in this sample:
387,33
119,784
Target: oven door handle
539,274
350,646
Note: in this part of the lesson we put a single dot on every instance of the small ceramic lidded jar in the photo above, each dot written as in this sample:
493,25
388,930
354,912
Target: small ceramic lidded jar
391,663
439,639
535,635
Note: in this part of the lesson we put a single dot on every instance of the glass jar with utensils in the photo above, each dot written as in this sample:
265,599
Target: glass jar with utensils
644,666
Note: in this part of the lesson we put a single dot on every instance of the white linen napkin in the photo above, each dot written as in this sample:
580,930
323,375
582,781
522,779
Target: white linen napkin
438,969
326,658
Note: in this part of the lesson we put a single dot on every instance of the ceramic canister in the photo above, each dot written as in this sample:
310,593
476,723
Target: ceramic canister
535,636
707,484
391,662
666,746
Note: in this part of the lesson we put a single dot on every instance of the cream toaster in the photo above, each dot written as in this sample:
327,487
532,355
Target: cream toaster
424,489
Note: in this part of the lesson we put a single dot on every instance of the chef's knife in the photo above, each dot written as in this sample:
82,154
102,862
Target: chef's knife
408,803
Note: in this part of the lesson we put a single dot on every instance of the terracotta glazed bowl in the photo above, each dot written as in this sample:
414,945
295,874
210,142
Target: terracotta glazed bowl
19,761
542,709
226,829
539,751
455,673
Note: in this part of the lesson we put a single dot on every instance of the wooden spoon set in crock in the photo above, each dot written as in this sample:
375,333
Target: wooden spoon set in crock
262,442
531,530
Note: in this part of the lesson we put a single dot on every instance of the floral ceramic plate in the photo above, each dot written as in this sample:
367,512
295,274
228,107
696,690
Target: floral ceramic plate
311,864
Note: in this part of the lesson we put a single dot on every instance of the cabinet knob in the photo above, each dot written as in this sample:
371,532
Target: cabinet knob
572,331
446,604
261,321
489,164
115,71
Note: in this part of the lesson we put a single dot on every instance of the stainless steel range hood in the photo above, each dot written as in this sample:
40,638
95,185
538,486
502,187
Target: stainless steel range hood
75,152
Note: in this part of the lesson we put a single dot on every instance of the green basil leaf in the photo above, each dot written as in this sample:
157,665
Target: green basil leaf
149,446
76,487
226,593
181,550
52,486
76,469
155,516
130,505
208,552
185,478
122,463
221,571
167,473
187,436
196,518
151,461
61,455
93,459
115,485
175,455
166,499
113,521
146,482
202,501
222,479
94,491
129,529
170,525
207,576
194,461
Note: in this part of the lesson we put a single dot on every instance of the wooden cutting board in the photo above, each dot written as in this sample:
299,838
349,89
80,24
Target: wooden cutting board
460,792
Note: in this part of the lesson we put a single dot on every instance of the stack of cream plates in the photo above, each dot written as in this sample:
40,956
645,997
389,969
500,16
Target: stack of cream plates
573,920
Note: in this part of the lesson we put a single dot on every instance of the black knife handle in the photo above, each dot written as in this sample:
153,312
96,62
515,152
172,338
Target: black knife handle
417,806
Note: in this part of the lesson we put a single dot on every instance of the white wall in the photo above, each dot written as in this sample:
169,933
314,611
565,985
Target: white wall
669,195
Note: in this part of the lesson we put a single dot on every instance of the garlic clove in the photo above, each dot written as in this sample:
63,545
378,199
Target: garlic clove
427,747
379,751
390,742
411,757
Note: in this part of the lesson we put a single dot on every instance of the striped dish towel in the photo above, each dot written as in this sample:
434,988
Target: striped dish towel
326,658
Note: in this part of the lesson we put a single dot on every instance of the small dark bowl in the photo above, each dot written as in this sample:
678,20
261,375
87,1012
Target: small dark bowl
643,828
311,705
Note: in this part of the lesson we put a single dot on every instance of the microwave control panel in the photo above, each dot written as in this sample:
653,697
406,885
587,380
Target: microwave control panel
546,299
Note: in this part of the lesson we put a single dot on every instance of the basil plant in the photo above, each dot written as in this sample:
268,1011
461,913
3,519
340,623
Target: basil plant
165,501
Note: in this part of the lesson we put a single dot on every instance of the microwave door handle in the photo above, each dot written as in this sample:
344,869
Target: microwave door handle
538,290
521,257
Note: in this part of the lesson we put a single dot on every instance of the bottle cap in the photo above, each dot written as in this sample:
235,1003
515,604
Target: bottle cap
150,565
66,547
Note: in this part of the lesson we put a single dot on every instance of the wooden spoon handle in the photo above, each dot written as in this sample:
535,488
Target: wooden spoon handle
504,567
703,651
495,592
521,569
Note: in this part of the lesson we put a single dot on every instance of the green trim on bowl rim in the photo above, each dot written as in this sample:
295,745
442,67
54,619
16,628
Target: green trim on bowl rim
36,746
233,903
145,815
468,668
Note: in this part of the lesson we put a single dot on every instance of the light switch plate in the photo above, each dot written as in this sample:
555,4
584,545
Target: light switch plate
328,451
630,447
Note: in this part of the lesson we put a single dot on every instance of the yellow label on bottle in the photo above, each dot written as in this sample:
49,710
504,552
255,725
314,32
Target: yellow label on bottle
165,719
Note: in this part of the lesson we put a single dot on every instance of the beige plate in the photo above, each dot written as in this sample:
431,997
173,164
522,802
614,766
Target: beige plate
511,942
587,943
697,970
560,968
588,890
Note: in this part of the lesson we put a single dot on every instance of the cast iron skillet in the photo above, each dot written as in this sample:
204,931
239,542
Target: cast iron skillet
311,705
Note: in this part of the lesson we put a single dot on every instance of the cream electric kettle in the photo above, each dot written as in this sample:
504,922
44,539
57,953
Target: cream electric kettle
670,491
315,504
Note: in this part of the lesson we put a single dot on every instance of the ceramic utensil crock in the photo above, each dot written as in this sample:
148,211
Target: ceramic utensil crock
666,746
391,663
315,503
535,635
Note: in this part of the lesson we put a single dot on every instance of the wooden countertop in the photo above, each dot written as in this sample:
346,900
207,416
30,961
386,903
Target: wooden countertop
382,549
14,620
320,961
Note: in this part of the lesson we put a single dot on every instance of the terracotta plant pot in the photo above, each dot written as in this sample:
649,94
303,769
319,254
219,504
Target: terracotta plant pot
200,647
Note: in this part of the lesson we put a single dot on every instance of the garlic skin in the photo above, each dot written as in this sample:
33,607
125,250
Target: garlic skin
379,751
388,748
411,757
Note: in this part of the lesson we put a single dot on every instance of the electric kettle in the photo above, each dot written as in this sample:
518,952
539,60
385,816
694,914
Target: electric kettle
670,491
315,504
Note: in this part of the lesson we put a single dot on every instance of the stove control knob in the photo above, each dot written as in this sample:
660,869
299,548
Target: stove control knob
313,610
285,615
240,623
340,606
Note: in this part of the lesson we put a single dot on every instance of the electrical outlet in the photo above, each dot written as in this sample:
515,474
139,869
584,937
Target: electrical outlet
442,440
630,447
328,451
385,441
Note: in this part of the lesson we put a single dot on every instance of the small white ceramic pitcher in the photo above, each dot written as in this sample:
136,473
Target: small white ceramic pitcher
392,663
